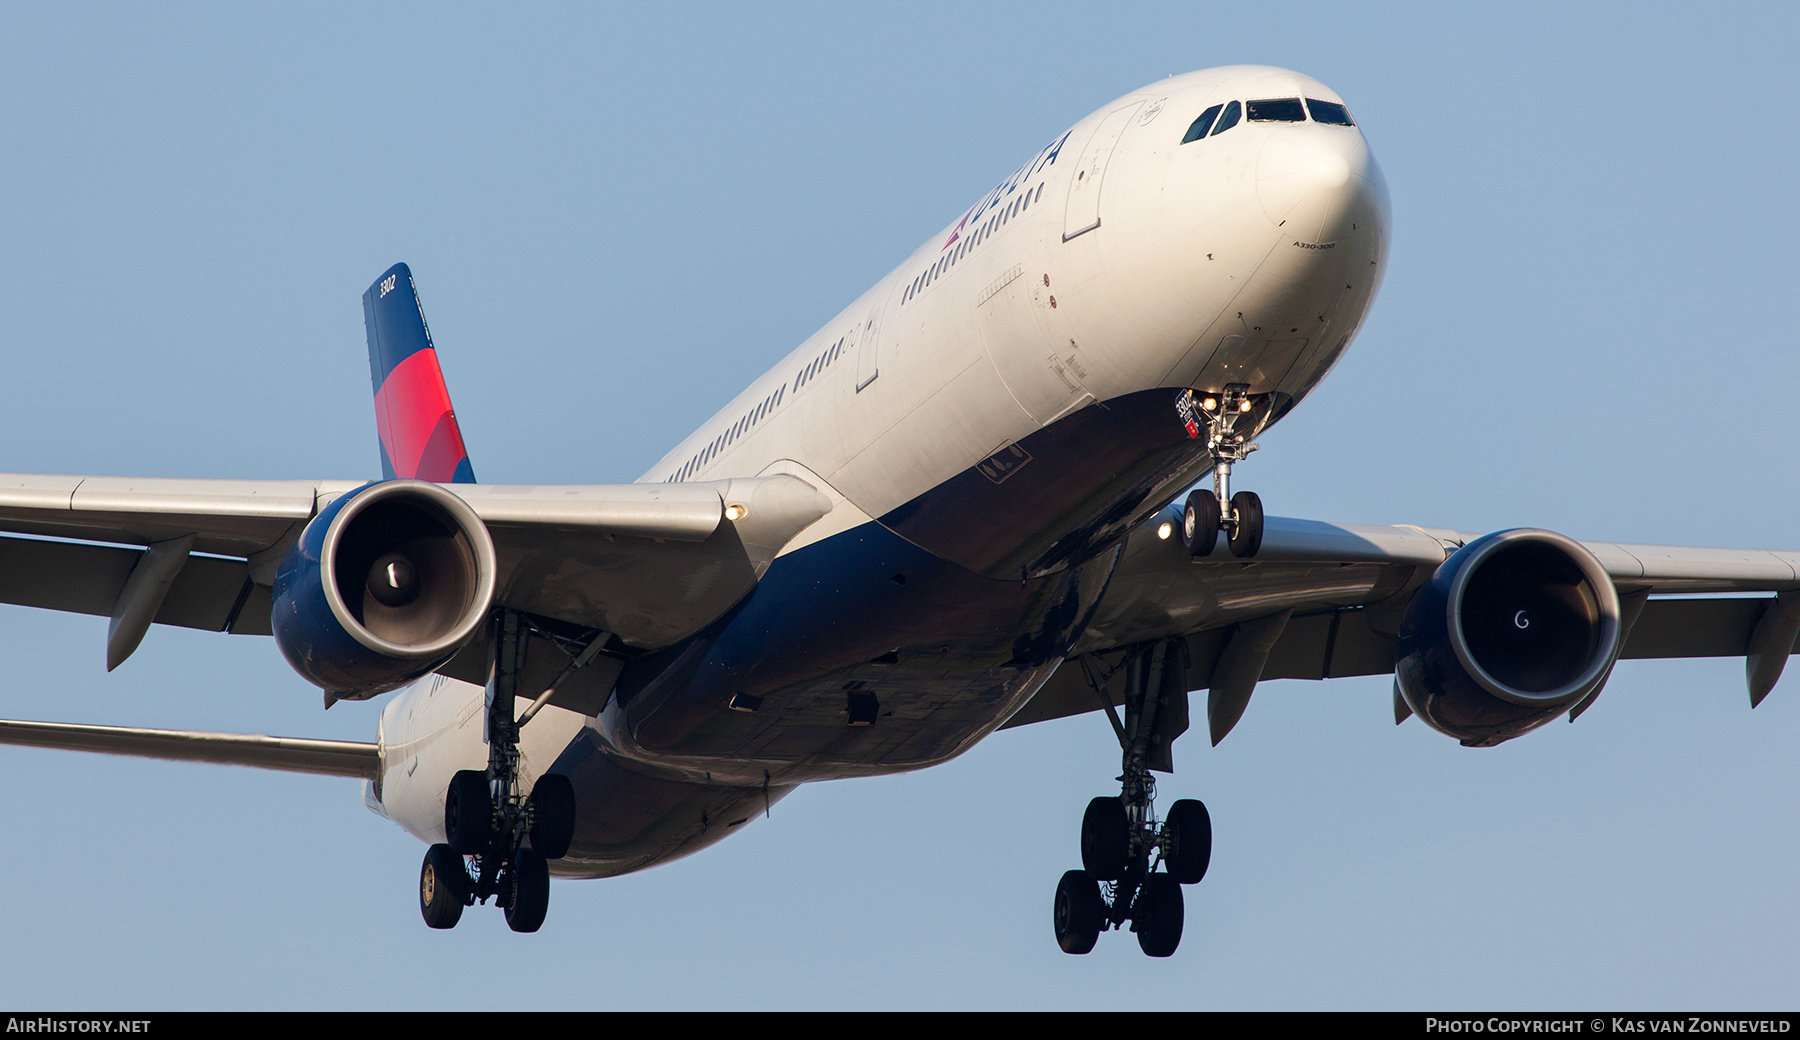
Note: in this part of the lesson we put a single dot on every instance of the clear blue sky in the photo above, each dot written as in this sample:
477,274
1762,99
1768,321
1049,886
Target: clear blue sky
618,218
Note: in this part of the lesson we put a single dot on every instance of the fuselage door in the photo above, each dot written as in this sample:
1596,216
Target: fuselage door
1083,211
868,345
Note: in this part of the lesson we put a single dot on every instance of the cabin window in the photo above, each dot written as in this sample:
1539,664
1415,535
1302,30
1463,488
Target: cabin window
1329,112
1276,110
1202,125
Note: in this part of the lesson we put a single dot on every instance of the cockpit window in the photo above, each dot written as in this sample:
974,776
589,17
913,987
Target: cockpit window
1229,119
1277,110
1329,112
1202,125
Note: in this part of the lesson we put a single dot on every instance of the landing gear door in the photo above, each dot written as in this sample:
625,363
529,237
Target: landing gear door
1083,212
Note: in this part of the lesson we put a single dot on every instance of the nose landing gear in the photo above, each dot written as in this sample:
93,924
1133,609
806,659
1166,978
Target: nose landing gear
1207,513
506,837
1122,842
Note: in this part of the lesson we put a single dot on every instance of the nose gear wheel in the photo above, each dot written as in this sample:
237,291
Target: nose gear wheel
1206,513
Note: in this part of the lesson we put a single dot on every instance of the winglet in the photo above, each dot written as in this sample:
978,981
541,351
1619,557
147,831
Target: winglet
419,435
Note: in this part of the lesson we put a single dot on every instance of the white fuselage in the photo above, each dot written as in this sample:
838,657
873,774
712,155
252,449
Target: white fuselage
1117,260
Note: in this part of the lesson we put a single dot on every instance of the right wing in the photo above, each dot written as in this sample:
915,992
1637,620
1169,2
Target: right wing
651,563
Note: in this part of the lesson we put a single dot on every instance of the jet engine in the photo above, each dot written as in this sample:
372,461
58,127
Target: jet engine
384,585
1513,630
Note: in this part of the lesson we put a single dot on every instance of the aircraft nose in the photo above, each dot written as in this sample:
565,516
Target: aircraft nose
1315,181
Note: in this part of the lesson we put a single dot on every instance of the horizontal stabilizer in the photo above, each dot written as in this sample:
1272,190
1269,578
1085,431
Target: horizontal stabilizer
291,754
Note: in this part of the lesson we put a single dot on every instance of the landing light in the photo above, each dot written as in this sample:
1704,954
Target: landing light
736,512
1210,403
1164,530
1243,406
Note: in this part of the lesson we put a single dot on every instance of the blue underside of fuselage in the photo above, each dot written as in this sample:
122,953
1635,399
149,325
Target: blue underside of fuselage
948,612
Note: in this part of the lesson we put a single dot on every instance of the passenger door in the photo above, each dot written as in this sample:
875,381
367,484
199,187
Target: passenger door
868,342
1082,213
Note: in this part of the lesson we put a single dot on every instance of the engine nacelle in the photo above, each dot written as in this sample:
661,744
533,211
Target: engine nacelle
1512,631
384,585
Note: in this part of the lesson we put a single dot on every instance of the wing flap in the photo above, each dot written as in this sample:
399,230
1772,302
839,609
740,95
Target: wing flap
289,754
83,578
1671,628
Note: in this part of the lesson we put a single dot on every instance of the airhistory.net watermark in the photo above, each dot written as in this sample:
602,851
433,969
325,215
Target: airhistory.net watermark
75,1024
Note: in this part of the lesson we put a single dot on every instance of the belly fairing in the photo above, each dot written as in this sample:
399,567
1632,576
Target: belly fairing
864,620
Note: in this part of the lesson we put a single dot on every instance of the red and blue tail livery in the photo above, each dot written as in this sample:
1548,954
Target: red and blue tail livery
413,417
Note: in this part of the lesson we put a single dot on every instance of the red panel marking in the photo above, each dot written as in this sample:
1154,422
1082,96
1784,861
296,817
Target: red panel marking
410,408
442,453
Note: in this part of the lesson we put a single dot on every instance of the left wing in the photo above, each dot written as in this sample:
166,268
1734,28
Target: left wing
1324,600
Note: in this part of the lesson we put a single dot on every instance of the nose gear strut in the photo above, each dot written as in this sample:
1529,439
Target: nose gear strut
1207,513
1122,842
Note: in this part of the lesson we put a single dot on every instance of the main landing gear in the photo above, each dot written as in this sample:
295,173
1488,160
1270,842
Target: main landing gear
1122,843
1207,513
499,843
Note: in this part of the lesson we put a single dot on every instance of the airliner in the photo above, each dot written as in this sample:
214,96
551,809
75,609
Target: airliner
1000,487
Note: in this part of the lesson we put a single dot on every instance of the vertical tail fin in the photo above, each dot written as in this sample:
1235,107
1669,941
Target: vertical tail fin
413,417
